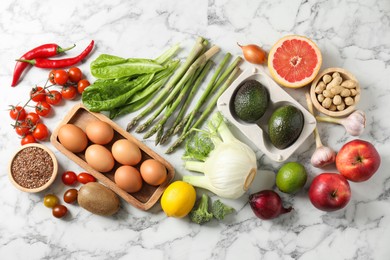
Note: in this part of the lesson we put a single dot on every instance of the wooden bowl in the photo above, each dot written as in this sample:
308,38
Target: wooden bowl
143,199
345,75
46,184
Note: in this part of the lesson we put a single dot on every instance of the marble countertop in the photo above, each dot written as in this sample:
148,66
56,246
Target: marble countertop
354,35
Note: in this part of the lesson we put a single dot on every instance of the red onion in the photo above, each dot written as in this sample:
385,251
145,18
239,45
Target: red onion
267,204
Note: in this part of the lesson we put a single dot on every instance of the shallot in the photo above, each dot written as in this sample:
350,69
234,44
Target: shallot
267,204
253,53
354,123
323,155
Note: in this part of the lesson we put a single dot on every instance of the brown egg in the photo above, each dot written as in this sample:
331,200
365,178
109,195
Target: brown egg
126,152
99,132
128,178
153,172
72,138
99,158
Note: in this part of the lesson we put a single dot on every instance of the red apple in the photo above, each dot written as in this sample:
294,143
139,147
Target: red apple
329,192
358,160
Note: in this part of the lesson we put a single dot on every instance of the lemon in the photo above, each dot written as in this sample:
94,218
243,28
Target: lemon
291,177
178,199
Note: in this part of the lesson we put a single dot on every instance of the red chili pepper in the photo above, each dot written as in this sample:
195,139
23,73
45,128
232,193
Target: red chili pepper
43,51
62,63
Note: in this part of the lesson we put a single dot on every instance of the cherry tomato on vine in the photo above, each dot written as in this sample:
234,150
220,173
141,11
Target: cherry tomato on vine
54,97
69,178
17,113
22,128
32,118
51,77
50,200
70,195
37,94
69,92
28,139
84,178
82,85
40,132
59,211
42,108
75,74
60,77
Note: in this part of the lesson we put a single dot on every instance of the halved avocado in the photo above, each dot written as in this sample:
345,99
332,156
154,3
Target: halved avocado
285,126
250,101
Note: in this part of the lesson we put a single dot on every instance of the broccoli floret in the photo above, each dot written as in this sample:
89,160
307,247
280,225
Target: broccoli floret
201,214
220,210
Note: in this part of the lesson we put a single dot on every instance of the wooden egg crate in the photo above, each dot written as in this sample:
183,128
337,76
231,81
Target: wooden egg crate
143,199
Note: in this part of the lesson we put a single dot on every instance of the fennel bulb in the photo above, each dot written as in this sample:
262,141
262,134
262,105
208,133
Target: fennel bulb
229,169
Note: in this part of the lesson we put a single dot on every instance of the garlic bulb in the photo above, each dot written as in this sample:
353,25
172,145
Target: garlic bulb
354,124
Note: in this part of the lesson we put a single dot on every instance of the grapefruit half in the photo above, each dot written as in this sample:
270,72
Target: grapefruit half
294,61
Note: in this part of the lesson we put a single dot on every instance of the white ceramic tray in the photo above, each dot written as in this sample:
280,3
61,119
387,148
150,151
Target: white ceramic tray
257,132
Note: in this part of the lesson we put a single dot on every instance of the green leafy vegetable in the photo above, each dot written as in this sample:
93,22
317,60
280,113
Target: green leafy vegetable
110,67
199,146
104,97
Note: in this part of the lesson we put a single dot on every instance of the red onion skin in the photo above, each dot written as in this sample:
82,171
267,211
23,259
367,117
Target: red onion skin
267,204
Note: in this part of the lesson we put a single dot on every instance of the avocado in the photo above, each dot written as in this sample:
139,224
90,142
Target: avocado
250,101
285,125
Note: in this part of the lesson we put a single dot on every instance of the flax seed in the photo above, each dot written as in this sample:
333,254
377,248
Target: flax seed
32,167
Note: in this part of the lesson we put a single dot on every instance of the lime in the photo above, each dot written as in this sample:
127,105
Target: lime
291,177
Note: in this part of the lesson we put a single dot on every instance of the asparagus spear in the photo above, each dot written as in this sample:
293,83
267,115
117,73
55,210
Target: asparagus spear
227,72
187,103
175,104
167,54
210,107
191,70
186,121
207,91
168,87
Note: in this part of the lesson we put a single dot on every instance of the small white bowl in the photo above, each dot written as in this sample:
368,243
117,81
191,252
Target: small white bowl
257,132
52,177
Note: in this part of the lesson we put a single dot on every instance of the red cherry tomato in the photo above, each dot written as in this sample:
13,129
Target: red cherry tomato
82,85
32,119
69,92
37,94
85,178
75,74
51,77
42,108
22,128
40,131
61,77
54,97
28,139
59,211
70,195
69,178
17,113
